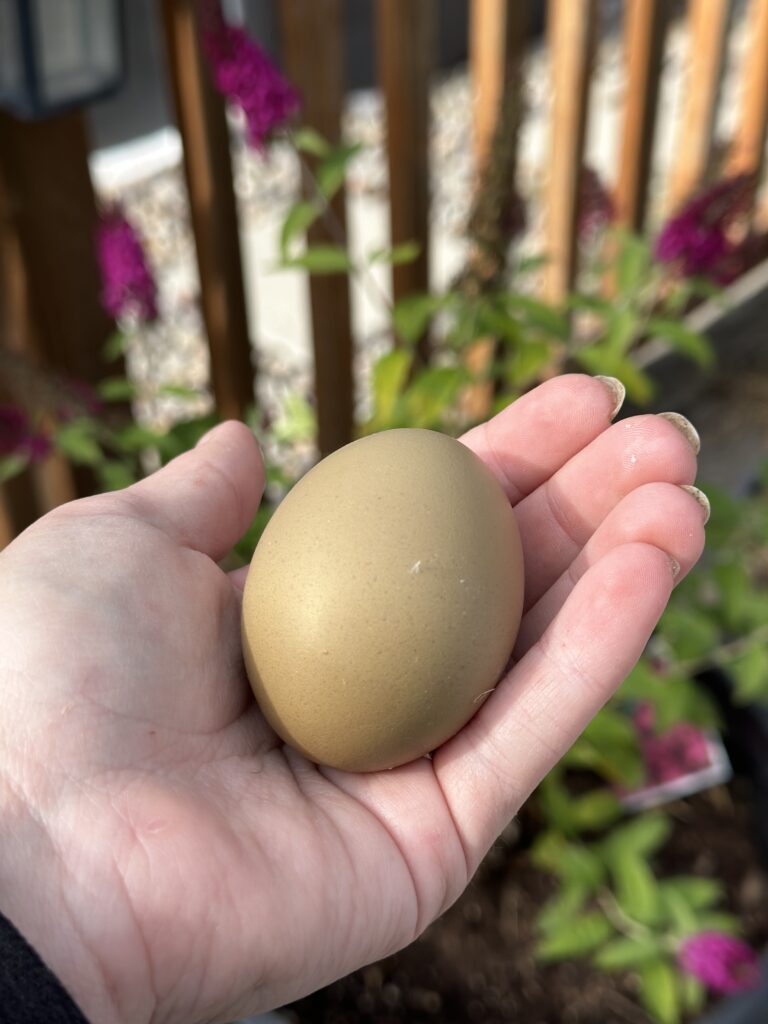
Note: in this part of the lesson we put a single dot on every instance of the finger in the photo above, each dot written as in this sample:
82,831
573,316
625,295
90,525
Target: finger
536,713
206,498
663,515
536,435
238,577
560,516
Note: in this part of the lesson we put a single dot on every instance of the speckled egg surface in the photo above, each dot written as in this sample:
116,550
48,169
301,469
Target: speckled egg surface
383,600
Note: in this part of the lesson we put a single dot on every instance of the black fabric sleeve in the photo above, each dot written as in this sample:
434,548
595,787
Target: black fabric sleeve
29,992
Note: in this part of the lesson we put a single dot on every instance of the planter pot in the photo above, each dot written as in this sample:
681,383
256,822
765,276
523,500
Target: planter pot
748,1008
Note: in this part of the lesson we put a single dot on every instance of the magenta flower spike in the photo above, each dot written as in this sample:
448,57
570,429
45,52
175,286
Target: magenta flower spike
17,437
243,73
128,287
723,963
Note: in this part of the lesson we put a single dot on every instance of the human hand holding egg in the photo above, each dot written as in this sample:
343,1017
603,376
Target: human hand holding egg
185,863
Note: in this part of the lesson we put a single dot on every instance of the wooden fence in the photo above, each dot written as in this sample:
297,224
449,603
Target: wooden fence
50,293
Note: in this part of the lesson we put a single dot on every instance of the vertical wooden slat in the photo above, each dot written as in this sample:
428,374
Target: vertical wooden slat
497,40
707,36
49,281
748,148
571,32
645,28
312,36
405,50
208,168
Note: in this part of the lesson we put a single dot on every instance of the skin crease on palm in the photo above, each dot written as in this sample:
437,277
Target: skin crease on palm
168,857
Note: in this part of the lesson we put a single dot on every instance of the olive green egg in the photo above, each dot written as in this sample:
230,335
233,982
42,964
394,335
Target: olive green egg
383,600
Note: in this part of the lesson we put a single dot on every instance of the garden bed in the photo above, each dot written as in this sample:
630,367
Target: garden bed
475,964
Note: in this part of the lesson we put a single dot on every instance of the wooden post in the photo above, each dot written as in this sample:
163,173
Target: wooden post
707,36
571,30
748,148
312,35
497,41
405,48
208,168
50,283
645,28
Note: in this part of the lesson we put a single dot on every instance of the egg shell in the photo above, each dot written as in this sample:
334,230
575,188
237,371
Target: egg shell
383,600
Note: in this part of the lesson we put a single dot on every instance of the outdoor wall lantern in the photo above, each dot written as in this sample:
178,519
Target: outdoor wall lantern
58,54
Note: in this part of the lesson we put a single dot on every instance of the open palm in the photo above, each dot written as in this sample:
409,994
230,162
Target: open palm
163,851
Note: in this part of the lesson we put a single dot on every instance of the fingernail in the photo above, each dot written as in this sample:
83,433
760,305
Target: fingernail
615,389
699,496
674,565
207,436
686,428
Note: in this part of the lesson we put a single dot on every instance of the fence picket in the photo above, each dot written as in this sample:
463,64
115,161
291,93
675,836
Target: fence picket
312,35
571,31
405,40
707,37
645,29
208,169
748,148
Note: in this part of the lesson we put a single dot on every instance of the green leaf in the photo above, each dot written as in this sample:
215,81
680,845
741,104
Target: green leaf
636,888
595,810
412,315
591,304
620,333
178,391
389,377
540,315
433,394
527,361
307,140
643,836
77,440
566,904
683,338
577,936
530,264
114,475
718,922
406,252
134,438
116,389
632,264
750,674
114,346
297,220
659,993
547,851
332,170
298,421
555,802
690,632
321,259
598,359
676,912
184,435
693,993
698,893
11,465
625,953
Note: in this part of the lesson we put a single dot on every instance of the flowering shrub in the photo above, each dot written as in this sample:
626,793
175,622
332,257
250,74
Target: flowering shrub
19,439
244,75
708,236
723,963
128,287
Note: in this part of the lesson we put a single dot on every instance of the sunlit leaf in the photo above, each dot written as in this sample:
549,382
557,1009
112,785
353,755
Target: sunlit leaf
297,220
659,991
625,953
321,259
577,936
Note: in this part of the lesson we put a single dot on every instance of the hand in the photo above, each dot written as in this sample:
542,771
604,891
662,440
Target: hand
163,851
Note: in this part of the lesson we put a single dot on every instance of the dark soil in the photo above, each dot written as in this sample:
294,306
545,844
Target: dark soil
475,964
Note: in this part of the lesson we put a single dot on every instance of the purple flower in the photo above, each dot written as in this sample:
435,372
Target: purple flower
596,207
17,436
128,287
723,963
678,751
245,75
699,239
